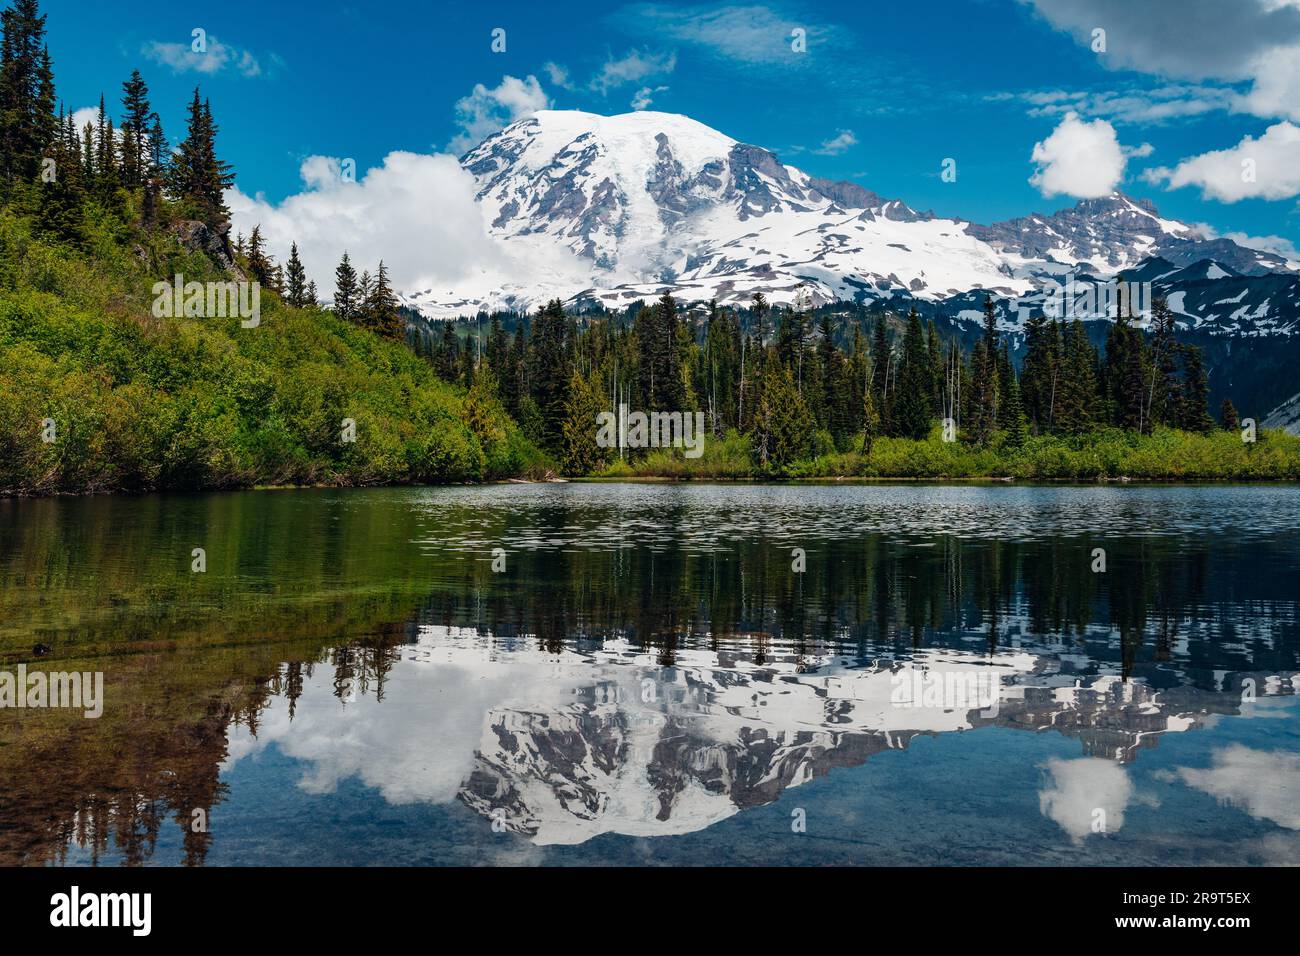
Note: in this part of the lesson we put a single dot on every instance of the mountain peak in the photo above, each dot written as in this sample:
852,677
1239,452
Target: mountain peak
618,208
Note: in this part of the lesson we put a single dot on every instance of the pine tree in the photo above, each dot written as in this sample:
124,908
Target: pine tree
26,91
911,418
1077,401
582,454
549,375
296,279
1013,415
381,309
984,379
345,290
135,124
782,424
1195,413
197,178
259,264
1228,419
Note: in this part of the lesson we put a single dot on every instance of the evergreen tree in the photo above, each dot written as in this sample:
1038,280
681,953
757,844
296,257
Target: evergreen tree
1013,415
26,91
135,125
1077,401
911,418
381,309
984,379
1228,419
197,179
296,279
782,425
582,455
549,375
345,290
258,262
1195,412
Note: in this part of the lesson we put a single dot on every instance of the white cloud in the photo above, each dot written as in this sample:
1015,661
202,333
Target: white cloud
1128,104
842,140
1278,245
1079,159
1247,41
87,114
743,34
1138,152
218,56
1081,788
1263,783
645,96
558,75
485,111
416,212
1263,168
632,67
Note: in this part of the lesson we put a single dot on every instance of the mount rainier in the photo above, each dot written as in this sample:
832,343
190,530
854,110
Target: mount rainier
606,210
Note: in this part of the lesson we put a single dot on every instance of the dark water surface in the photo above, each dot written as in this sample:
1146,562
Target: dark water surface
652,679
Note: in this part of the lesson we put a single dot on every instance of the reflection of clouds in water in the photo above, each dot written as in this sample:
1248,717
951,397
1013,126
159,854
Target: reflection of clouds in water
418,745
1080,788
1263,783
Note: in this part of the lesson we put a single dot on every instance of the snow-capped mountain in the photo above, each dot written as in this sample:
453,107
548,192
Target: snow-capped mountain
611,209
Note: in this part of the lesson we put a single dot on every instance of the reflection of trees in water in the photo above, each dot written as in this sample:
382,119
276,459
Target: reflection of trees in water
1161,602
887,591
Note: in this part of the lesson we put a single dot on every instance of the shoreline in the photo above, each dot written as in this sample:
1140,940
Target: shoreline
6,496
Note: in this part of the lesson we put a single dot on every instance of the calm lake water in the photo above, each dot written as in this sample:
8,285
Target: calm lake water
658,674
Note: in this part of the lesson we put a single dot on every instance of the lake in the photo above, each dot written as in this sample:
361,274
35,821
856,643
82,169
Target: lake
658,674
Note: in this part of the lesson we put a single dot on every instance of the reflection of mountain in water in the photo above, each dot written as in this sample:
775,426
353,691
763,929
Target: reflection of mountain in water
645,750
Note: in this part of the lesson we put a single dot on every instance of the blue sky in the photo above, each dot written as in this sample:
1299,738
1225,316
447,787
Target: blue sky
883,94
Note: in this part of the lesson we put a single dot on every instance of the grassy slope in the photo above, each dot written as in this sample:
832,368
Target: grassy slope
142,403
1164,456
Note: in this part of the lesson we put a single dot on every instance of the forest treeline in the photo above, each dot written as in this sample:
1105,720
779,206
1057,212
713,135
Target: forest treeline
780,380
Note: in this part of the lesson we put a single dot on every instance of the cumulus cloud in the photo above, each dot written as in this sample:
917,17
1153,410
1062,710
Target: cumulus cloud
837,144
1248,41
645,96
87,114
1079,159
1086,792
218,56
416,212
1267,167
485,111
632,67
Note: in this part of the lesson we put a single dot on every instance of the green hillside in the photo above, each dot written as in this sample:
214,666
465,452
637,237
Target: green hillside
141,403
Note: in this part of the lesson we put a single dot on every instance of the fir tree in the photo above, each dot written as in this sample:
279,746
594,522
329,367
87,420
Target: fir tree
1013,415
135,124
296,279
26,91
911,417
381,309
1228,419
197,179
259,264
345,290
984,379
1195,413
582,454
